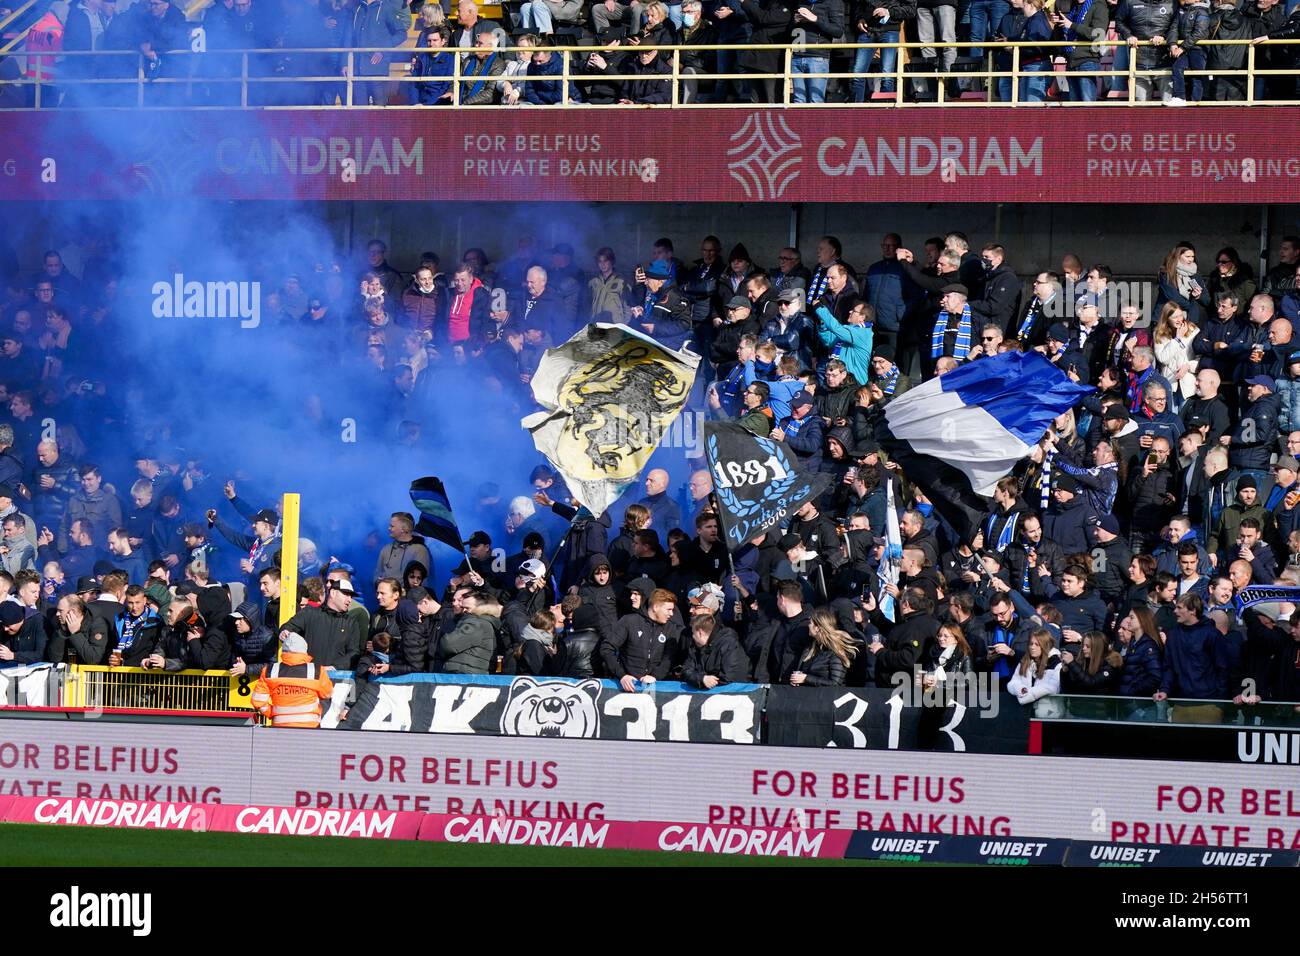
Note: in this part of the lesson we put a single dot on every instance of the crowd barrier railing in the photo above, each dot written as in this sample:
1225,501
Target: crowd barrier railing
96,687
251,78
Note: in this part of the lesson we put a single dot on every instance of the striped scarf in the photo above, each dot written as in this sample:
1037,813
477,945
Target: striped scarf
1045,481
961,347
1135,383
1026,329
1077,16
890,381
1007,534
817,287
1030,550
792,426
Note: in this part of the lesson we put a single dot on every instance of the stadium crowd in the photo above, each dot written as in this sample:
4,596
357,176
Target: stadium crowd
156,40
1107,563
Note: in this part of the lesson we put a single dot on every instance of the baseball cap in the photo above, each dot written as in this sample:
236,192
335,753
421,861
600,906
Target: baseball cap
1263,381
533,568
11,612
789,295
86,583
345,586
237,615
801,398
477,538
267,515
1058,332
658,270
789,540
1115,413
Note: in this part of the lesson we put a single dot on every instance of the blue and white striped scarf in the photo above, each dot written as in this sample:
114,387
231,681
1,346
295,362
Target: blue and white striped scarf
792,425
961,347
1045,481
890,381
1007,534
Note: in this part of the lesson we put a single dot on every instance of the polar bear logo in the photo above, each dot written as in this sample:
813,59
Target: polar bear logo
551,709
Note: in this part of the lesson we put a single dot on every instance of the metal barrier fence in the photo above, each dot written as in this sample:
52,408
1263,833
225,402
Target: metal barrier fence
260,78
1144,710
97,687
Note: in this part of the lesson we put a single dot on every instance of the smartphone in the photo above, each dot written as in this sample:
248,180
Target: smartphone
1152,460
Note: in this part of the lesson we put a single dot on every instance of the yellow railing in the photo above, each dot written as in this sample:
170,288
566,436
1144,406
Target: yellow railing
97,687
340,89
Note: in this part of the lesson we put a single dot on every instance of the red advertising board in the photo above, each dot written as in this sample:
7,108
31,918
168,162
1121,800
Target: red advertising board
1090,154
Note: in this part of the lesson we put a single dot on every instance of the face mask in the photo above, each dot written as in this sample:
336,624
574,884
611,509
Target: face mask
689,19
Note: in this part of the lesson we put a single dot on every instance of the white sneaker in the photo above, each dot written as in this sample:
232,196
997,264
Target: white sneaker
1175,101
1166,96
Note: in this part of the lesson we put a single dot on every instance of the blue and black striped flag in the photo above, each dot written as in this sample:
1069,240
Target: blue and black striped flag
436,520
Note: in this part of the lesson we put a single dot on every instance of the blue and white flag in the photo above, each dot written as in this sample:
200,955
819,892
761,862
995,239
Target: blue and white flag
890,561
956,435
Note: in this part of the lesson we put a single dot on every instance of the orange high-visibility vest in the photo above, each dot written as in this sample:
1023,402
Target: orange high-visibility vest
46,36
290,691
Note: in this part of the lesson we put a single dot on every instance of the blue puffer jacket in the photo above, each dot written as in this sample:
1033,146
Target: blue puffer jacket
1288,396
1141,674
1192,667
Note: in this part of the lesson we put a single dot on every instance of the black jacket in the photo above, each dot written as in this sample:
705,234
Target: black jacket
789,642
903,647
333,639
578,654
29,644
1000,301
88,644
722,657
638,647
822,669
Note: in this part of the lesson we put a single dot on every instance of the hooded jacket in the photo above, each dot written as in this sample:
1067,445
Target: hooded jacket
601,598
258,646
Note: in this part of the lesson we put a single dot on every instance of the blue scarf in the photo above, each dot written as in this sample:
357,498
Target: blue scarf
1027,324
961,347
1008,531
1078,15
730,388
127,627
483,74
817,287
890,381
792,425
1030,550
1275,496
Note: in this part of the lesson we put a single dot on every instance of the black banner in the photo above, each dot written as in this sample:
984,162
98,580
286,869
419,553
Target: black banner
942,848
755,480
529,707
1138,740
1143,855
879,718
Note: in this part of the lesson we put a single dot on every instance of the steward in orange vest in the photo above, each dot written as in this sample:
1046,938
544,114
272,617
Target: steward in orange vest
290,691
